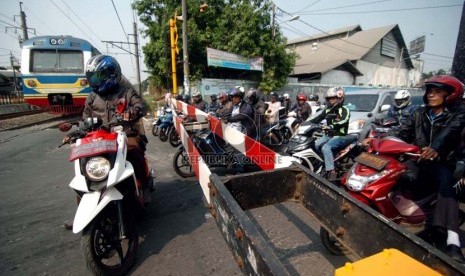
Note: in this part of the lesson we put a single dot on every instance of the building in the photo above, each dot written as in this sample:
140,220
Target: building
376,57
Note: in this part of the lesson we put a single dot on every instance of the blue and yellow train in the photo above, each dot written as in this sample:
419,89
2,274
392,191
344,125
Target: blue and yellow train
53,72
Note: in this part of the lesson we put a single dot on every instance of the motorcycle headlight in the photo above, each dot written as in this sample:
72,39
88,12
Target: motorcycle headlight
97,168
357,182
356,125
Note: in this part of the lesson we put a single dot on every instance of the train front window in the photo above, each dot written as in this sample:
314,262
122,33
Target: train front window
57,61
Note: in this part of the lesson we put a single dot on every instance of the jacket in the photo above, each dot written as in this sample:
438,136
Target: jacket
104,107
246,118
401,114
303,111
340,123
442,133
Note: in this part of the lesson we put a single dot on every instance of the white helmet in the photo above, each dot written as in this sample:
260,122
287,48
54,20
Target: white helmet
286,96
402,98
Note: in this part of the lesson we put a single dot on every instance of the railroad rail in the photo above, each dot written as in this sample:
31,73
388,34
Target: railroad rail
20,114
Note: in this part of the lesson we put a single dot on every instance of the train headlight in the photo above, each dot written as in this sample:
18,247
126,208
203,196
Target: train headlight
98,168
31,83
83,82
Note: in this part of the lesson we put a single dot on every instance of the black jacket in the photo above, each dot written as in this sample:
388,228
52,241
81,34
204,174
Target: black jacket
441,133
246,118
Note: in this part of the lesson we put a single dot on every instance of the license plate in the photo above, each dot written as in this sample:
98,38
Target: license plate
92,149
372,161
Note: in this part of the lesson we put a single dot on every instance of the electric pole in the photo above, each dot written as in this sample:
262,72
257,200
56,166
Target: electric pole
136,44
184,47
23,21
458,67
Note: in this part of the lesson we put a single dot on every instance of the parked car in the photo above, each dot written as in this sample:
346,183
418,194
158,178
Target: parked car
367,106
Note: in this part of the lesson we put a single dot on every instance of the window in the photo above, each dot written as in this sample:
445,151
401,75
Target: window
57,61
363,103
388,47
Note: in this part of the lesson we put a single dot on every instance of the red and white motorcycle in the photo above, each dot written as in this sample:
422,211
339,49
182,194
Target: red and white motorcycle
108,192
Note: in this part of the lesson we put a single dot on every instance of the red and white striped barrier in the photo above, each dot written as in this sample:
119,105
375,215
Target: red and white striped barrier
261,155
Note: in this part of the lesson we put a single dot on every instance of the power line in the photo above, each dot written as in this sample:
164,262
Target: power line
39,18
116,11
437,55
380,11
349,6
308,6
72,21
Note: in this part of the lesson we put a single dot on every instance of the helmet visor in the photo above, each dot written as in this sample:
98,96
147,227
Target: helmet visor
95,78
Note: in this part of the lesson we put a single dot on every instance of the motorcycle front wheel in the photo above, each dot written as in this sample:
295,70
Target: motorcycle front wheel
181,164
163,134
104,251
155,130
173,138
332,244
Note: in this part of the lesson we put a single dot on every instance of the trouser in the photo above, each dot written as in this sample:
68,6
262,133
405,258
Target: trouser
136,157
327,145
432,177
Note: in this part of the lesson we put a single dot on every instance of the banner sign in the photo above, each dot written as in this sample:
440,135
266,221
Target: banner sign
224,59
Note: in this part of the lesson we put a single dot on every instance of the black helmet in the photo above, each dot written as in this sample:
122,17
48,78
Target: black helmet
186,98
213,97
252,95
313,98
237,91
103,73
273,94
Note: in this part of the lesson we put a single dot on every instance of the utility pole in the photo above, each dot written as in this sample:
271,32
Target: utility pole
23,21
273,18
15,81
174,52
458,67
136,44
184,47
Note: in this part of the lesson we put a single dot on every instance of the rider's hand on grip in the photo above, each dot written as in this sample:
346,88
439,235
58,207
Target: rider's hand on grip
428,153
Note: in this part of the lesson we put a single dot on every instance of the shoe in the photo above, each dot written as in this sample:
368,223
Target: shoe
331,176
455,253
68,225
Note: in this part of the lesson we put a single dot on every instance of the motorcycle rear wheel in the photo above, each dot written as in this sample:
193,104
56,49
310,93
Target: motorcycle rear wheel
181,164
104,252
332,244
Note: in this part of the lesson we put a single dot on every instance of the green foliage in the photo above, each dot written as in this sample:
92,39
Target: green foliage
236,26
430,74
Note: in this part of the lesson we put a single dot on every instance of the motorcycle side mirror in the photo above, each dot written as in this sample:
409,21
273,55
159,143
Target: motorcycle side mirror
92,122
64,127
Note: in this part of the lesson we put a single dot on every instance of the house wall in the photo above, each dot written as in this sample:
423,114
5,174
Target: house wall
375,56
378,75
337,77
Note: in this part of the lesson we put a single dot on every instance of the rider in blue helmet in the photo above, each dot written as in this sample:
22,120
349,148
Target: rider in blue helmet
103,74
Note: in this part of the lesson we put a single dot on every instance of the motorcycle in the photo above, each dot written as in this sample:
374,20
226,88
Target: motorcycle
302,147
214,151
166,125
109,195
376,180
380,128
156,123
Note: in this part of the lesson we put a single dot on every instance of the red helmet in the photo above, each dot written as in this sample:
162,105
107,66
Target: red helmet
301,97
452,85
223,96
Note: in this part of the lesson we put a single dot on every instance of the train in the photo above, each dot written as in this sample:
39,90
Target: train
53,73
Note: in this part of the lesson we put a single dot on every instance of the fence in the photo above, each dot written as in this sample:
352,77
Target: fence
6,99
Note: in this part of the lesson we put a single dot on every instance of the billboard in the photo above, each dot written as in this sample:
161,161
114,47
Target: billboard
224,59
417,45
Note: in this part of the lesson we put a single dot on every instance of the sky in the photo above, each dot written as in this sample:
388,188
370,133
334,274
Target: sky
112,20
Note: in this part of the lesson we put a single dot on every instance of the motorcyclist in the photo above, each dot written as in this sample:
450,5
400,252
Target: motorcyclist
109,89
242,119
402,107
436,129
214,104
286,102
253,97
302,108
199,103
337,118
272,113
226,105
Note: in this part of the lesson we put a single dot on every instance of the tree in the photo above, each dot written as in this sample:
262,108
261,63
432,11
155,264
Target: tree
236,26
426,76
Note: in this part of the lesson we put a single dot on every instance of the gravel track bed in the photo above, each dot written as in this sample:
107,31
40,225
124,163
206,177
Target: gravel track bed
26,120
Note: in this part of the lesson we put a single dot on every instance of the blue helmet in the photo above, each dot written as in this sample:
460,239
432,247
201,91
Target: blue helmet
103,73
236,91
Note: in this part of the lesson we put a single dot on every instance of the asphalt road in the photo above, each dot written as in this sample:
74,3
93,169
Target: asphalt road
178,234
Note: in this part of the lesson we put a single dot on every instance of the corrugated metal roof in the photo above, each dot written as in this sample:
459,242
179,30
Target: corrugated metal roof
329,33
321,57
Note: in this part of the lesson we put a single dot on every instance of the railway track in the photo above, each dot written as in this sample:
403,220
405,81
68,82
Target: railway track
20,114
